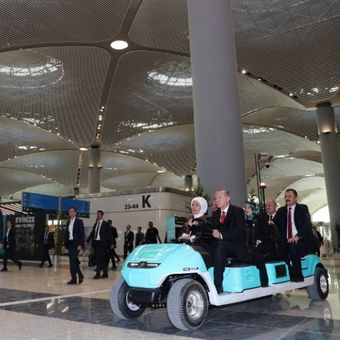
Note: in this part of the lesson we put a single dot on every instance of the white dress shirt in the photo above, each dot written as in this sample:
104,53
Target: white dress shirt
70,228
271,216
292,212
97,230
225,212
7,233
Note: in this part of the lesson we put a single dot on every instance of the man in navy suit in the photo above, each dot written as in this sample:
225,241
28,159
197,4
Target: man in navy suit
74,242
295,228
101,241
10,246
229,231
47,243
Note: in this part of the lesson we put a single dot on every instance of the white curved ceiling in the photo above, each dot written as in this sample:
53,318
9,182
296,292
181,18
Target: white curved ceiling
63,87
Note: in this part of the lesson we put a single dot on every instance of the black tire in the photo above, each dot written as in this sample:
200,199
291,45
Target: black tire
319,289
187,304
120,304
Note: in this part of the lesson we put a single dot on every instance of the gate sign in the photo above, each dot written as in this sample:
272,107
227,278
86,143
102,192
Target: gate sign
32,202
83,207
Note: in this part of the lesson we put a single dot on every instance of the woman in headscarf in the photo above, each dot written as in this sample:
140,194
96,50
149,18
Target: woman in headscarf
198,230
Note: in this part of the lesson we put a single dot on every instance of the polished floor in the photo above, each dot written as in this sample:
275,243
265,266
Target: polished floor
36,303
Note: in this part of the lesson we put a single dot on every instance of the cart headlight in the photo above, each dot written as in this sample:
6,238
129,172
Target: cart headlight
143,264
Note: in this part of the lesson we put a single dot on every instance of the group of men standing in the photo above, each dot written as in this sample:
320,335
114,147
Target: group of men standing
151,236
294,235
103,240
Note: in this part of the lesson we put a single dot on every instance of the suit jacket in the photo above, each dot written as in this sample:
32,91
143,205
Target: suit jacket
233,227
113,235
50,240
264,231
104,233
11,241
78,233
302,222
128,237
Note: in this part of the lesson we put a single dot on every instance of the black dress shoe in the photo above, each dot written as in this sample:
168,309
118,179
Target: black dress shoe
72,282
49,266
40,265
3,270
96,277
81,278
105,276
19,265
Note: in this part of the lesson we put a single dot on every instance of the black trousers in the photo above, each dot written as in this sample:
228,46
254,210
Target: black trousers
257,258
128,247
100,251
223,250
10,254
46,255
74,261
112,255
293,252
209,245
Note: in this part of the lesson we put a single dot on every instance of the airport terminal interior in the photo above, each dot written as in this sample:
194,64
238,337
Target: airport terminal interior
102,99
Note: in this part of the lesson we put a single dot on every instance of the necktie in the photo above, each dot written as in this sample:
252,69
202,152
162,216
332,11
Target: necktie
222,217
45,238
289,224
97,231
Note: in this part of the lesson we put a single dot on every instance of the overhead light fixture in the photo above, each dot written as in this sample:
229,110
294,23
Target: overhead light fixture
291,94
119,45
83,149
244,71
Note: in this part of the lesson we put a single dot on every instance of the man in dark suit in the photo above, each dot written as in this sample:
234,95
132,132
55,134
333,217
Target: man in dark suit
74,243
139,237
229,230
47,243
295,228
265,247
10,246
128,241
112,250
100,237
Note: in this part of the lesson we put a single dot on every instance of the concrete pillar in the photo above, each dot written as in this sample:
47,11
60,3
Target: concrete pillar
331,164
94,169
217,118
188,183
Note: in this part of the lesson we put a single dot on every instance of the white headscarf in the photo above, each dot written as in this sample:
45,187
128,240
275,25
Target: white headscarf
204,206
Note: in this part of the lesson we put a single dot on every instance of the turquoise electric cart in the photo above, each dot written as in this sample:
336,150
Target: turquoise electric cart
180,278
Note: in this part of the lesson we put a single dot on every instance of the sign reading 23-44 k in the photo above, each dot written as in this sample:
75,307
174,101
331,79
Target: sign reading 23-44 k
143,204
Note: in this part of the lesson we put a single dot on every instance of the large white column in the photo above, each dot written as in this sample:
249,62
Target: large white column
94,169
217,118
331,164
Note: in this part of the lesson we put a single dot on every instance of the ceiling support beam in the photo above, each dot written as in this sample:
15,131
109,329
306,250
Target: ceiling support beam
217,117
331,164
94,169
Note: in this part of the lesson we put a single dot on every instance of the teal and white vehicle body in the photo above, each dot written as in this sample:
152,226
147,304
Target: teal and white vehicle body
181,278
